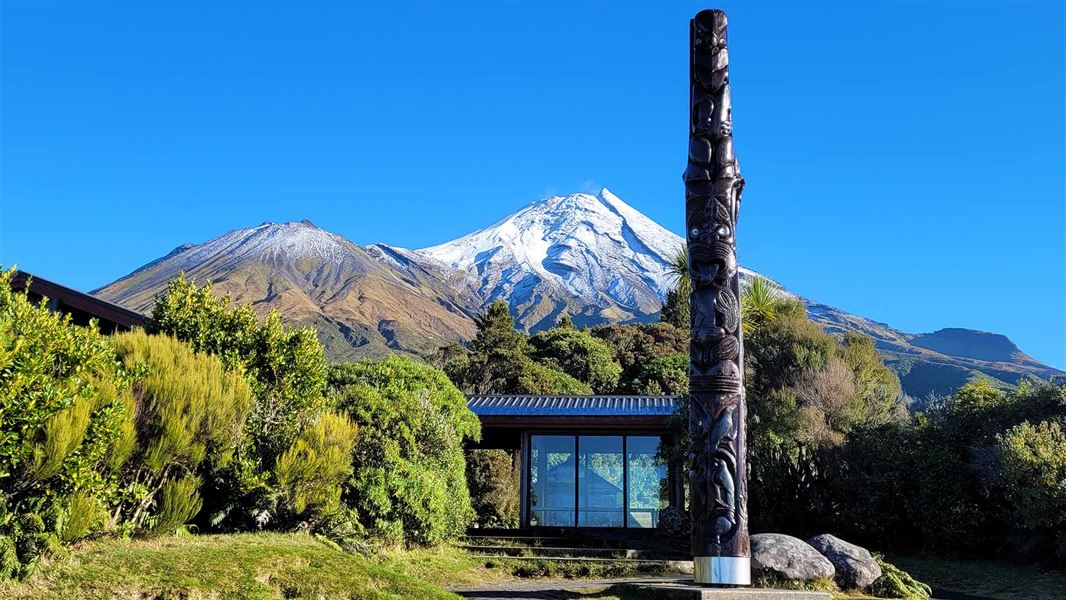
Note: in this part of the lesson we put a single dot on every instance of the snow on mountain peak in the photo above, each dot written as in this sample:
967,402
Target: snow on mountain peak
595,247
277,241
274,243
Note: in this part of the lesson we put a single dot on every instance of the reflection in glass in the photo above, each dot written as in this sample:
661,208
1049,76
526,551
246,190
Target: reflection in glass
583,481
600,481
648,493
551,480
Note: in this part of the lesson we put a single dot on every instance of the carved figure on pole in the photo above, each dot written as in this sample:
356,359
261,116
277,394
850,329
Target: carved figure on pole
713,186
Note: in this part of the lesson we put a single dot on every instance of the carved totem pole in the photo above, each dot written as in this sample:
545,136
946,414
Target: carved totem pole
717,409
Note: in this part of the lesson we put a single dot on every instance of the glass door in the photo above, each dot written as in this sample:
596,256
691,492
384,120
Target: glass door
646,481
600,481
596,481
552,480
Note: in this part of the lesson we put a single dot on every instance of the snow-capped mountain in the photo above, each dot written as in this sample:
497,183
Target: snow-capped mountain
592,257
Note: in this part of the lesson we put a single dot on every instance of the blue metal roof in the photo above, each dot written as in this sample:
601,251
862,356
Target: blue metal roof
572,406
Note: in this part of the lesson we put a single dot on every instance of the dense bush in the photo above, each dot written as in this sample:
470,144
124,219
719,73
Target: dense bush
311,474
807,388
609,359
286,370
285,367
1032,478
662,375
971,475
1032,471
577,353
808,393
637,345
409,481
494,480
498,361
64,404
191,415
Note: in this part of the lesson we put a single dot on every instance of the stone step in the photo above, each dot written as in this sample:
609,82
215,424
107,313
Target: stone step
534,542
573,552
572,541
647,565
677,566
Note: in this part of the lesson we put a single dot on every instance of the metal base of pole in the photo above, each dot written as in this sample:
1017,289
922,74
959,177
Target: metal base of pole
722,570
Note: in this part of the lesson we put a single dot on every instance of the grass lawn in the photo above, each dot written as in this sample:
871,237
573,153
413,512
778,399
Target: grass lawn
245,566
986,579
273,565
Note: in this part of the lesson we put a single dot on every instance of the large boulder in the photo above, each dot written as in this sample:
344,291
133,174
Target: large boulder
788,557
856,567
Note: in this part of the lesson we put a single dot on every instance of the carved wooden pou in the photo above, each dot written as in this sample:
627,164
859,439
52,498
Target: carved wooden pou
718,475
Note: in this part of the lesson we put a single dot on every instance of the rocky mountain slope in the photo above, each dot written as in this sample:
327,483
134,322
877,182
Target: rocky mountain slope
360,304
592,257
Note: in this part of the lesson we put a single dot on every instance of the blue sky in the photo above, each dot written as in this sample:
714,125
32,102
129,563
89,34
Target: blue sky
904,161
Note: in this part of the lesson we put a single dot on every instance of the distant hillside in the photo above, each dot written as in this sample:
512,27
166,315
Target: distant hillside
592,257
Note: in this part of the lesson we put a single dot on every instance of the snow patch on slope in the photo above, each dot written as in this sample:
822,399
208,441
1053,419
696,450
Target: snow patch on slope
275,242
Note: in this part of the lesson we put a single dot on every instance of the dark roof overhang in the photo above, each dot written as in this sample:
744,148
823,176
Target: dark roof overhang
86,303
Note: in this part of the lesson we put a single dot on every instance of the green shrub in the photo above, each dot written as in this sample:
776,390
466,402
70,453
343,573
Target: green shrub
535,378
579,354
498,361
191,416
64,402
83,515
1032,472
663,375
9,560
179,502
408,482
676,309
1032,461
494,479
287,373
286,367
636,345
312,472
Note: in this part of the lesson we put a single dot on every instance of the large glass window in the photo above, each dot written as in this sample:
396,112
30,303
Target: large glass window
596,481
552,480
600,481
647,481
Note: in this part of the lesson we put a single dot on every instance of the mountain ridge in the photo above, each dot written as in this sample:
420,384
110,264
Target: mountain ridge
590,256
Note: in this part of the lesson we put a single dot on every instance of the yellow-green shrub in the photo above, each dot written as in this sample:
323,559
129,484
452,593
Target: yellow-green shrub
312,472
179,501
191,414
